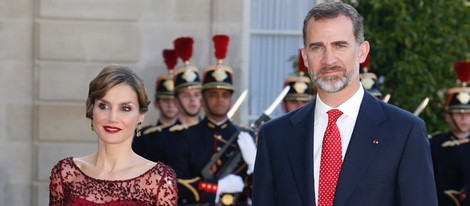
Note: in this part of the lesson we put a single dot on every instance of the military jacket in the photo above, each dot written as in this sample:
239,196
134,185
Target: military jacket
151,144
451,169
210,140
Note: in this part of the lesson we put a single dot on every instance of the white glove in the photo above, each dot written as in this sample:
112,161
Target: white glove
229,184
248,148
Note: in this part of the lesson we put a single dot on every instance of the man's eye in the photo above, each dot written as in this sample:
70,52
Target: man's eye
315,48
103,106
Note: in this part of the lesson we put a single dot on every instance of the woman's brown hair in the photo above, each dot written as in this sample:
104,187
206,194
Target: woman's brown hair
110,76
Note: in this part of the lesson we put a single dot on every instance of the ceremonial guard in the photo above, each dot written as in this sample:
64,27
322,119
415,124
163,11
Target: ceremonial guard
301,88
451,151
369,80
221,153
188,101
176,138
187,85
165,103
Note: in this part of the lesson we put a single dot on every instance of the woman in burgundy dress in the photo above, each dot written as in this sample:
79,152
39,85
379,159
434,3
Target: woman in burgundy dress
114,174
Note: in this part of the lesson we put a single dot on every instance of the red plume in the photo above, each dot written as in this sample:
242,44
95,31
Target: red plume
366,62
184,47
463,71
170,58
302,67
220,45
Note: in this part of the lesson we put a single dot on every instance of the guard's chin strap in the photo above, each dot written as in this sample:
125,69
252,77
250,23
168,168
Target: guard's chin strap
452,118
208,108
185,111
206,105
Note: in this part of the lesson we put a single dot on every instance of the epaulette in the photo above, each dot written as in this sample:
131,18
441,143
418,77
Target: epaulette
152,129
178,127
430,136
453,143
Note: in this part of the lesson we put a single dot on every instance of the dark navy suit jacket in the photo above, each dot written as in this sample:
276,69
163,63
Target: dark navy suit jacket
388,160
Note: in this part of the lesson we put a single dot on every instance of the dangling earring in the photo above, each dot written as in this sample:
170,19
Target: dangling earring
137,129
92,129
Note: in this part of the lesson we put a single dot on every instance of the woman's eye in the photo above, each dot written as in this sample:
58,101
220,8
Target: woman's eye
126,108
103,106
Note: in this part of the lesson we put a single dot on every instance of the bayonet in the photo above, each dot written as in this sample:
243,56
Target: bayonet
386,98
237,104
266,116
217,169
421,106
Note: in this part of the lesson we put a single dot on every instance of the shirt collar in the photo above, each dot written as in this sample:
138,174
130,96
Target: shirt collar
350,107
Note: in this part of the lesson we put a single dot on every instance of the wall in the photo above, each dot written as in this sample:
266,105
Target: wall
51,49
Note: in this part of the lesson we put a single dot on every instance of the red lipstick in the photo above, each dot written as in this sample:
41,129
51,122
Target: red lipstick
110,129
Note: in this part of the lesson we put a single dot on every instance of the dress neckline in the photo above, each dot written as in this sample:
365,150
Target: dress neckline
70,159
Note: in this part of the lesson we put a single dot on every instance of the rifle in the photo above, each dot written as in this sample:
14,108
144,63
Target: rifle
266,116
233,156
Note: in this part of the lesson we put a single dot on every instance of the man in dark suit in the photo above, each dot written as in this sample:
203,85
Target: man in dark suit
384,154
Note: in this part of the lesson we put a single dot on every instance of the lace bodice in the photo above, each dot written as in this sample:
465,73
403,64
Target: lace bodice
70,186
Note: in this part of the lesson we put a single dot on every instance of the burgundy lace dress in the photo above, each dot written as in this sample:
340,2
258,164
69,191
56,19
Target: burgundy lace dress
70,186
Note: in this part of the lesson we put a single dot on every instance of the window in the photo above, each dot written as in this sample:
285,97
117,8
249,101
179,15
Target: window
275,35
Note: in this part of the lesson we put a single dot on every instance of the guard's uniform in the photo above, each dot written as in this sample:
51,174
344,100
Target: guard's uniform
204,140
301,86
369,80
210,139
450,154
176,151
207,138
152,143
138,142
143,144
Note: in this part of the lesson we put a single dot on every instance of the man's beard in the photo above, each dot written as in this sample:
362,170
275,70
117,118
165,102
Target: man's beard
333,84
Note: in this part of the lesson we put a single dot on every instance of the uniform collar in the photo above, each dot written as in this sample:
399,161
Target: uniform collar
219,125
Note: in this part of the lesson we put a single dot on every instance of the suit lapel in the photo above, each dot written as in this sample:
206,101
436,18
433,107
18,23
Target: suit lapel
299,146
361,149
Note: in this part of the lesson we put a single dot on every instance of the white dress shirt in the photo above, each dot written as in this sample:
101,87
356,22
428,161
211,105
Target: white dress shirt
345,124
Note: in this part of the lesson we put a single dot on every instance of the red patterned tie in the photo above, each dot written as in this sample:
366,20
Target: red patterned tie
331,159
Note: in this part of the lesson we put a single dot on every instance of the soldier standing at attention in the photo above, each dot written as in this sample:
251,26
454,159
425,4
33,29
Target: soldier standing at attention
162,145
369,80
187,86
212,133
173,143
301,90
164,102
450,151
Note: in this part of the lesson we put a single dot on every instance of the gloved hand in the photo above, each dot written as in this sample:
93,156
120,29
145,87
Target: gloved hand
229,184
248,148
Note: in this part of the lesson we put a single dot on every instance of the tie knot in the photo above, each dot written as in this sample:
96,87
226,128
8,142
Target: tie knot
334,114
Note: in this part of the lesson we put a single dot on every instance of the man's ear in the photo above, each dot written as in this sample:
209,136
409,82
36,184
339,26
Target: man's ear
364,49
304,56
